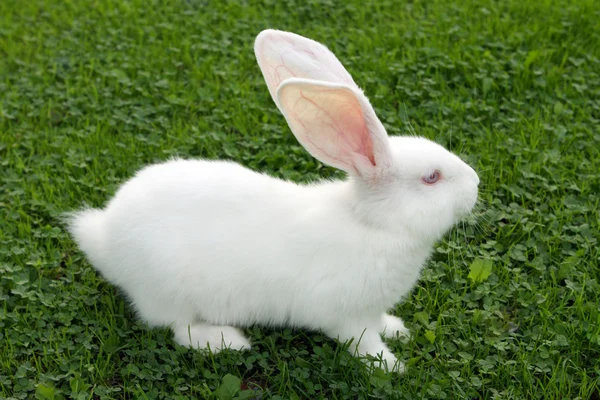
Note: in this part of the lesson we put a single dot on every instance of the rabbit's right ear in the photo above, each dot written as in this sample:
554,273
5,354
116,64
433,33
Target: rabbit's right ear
282,55
337,125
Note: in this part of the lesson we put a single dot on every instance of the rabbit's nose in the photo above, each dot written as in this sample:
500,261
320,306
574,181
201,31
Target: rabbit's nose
474,175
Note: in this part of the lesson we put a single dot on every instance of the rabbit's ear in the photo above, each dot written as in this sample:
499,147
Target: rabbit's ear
282,55
337,125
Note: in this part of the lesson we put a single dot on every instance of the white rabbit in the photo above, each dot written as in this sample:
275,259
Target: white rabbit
207,247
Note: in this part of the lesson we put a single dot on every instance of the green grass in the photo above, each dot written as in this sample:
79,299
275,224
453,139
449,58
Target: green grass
90,91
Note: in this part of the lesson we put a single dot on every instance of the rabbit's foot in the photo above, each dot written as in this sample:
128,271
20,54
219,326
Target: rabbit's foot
393,327
215,338
367,342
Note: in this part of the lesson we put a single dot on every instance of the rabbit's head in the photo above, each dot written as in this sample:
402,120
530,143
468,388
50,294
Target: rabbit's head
404,184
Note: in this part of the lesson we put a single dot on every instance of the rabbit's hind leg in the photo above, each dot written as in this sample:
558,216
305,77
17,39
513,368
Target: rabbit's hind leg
203,336
366,340
188,330
393,327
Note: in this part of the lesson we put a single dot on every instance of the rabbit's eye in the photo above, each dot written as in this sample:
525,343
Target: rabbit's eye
431,178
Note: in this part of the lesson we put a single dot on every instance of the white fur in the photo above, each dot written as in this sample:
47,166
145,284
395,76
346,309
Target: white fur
206,246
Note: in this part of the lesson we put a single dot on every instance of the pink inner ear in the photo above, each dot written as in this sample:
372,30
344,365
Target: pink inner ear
349,133
330,123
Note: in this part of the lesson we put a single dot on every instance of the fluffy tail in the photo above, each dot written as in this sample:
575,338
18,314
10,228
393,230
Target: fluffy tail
87,228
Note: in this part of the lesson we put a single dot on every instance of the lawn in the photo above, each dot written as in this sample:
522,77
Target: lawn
507,308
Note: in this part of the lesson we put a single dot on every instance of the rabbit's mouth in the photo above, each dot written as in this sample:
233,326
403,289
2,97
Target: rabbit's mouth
465,208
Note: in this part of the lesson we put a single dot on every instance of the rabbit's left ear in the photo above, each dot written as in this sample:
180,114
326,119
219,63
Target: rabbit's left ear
282,55
337,125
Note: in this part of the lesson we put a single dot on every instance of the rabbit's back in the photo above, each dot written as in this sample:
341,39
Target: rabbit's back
235,245
183,209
